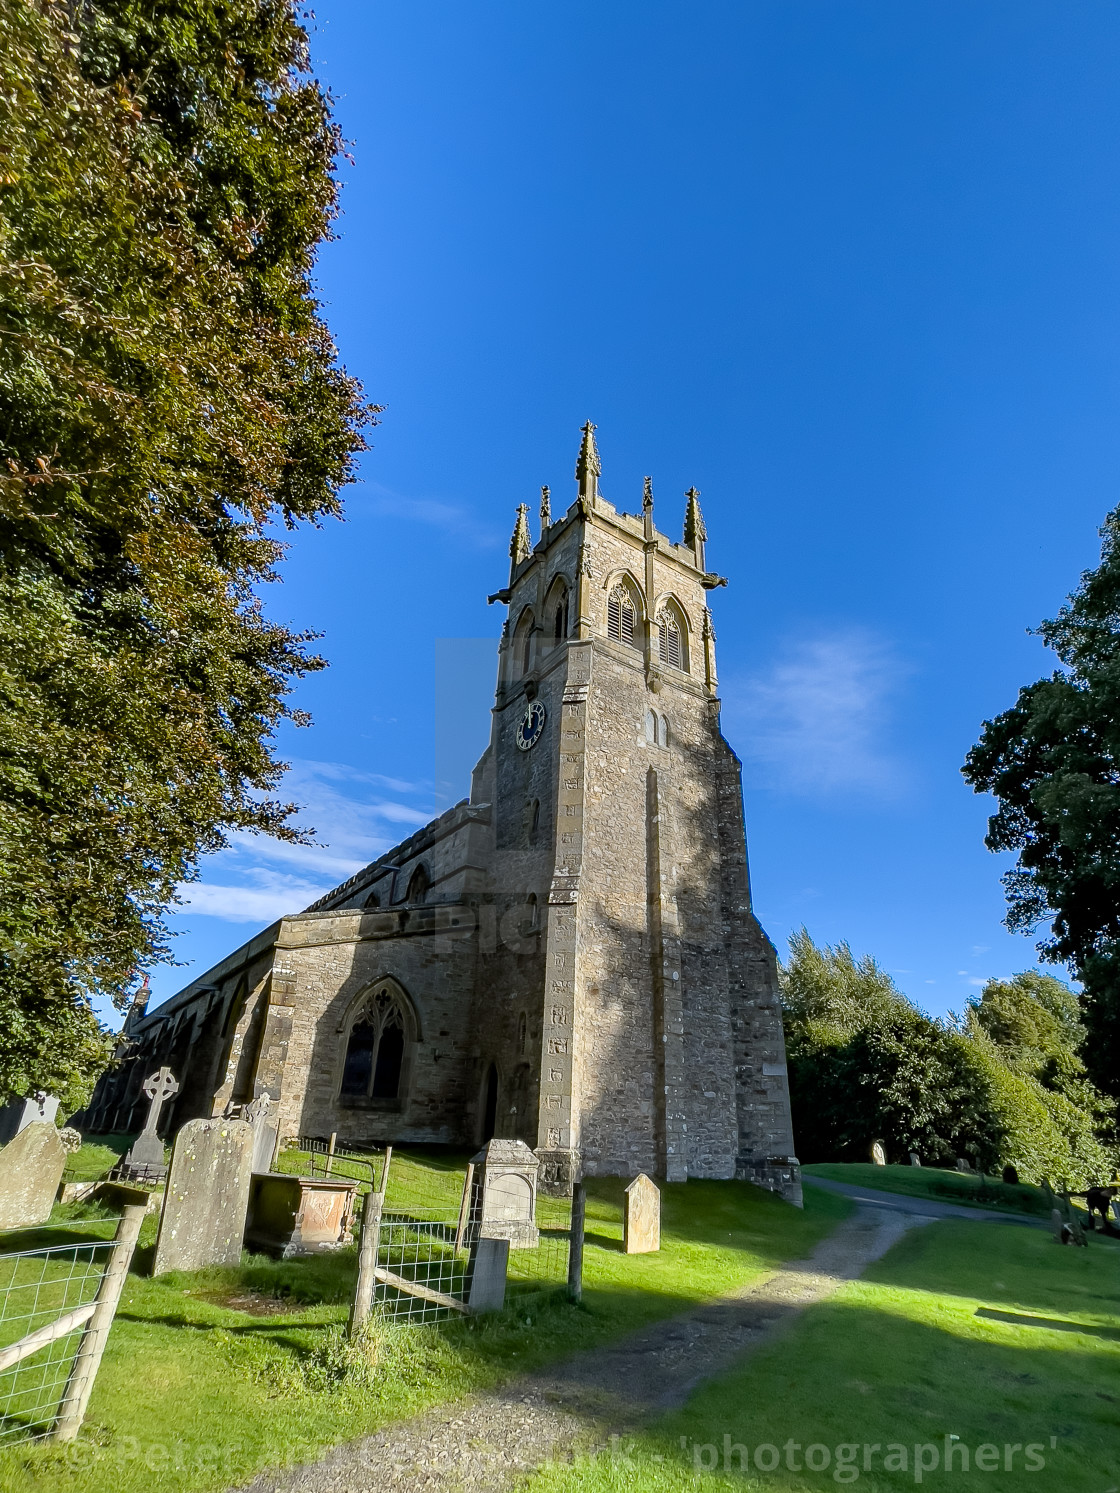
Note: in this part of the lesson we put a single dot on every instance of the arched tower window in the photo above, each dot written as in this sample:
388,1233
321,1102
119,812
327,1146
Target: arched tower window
622,615
373,900
560,615
375,1048
419,885
670,639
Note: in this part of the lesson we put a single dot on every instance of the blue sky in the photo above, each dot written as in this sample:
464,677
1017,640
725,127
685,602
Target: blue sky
852,269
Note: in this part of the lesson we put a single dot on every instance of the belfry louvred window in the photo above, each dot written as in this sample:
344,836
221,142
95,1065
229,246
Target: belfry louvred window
622,615
670,647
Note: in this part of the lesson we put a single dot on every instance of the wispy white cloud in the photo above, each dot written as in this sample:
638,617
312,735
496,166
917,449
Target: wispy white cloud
456,519
817,722
258,879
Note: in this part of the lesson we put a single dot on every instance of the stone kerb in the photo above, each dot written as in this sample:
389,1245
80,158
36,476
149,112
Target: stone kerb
503,1202
31,1169
207,1197
641,1224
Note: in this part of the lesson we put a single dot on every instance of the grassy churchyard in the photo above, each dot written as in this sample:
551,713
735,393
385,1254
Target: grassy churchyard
212,1376
981,1337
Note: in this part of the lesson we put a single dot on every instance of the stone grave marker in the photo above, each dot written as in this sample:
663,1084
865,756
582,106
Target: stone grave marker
962,1164
146,1153
641,1221
265,1127
503,1198
20,1113
915,1159
207,1196
31,1169
878,1153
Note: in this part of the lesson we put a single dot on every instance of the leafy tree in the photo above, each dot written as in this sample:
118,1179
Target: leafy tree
169,395
1005,1084
1053,762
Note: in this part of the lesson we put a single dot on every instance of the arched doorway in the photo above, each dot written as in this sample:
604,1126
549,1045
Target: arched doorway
490,1104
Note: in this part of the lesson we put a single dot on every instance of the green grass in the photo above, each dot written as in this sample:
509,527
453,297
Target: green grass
929,1344
98,1155
195,1394
933,1182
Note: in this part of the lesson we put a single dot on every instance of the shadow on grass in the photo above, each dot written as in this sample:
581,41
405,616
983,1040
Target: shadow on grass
1052,1324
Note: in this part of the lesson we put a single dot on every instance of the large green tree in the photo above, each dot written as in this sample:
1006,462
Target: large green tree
1053,762
1005,1083
170,399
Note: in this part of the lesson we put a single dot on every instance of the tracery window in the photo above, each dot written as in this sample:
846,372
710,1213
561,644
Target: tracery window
560,617
375,1049
622,615
670,641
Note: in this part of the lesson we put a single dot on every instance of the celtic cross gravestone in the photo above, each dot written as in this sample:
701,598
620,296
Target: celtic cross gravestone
147,1149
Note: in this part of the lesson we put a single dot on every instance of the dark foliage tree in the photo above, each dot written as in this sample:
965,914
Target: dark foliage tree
1005,1084
1053,762
169,396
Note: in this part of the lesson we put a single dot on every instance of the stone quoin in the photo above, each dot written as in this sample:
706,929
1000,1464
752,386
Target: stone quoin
568,957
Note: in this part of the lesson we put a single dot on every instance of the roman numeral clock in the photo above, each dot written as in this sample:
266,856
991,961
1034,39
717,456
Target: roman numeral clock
531,725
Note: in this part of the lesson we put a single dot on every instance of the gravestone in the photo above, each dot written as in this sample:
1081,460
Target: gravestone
878,1153
20,1113
265,1128
146,1154
207,1196
915,1159
641,1219
489,1263
503,1202
962,1164
31,1169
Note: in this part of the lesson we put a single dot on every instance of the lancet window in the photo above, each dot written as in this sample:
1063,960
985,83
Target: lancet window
670,640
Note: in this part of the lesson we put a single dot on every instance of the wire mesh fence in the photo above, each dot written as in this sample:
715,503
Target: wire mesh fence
424,1274
38,1287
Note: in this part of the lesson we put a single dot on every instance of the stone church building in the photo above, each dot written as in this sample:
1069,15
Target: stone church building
567,957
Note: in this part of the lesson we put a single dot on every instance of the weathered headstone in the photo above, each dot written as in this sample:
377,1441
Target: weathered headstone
915,1159
1057,1224
207,1196
962,1164
641,1219
878,1153
147,1149
488,1265
31,1168
38,1108
503,1202
265,1127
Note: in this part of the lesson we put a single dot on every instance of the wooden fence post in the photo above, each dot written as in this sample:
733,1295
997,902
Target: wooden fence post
88,1358
575,1243
367,1251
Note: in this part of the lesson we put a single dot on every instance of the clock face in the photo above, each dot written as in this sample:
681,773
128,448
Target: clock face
530,726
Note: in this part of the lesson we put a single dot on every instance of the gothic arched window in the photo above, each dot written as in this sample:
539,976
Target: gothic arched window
523,643
375,1049
670,639
419,885
622,615
560,616
373,900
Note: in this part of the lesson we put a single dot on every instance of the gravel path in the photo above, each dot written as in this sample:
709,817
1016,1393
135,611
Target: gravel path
486,1444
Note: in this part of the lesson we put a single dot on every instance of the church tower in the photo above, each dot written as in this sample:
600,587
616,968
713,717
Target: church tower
656,1034
568,957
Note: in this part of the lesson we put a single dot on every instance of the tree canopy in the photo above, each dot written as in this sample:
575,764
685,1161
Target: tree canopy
170,398
1005,1083
1053,762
